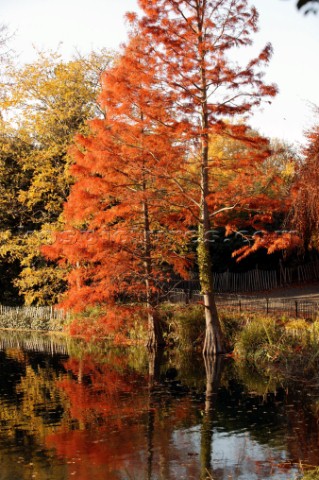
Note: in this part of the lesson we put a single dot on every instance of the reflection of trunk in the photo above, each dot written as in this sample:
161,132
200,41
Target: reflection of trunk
80,380
154,367
213,366
155,359
150,446
155,336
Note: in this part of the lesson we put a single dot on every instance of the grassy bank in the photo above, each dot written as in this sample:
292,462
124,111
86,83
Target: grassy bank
290,344
262,341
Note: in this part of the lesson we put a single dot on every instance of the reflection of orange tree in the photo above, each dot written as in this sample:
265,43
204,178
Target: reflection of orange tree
101,391
112,411
106,410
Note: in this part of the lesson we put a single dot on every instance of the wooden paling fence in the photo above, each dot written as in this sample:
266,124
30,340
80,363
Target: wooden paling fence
290,307
253,280
300,274
257,280
34,344
33,318
43,313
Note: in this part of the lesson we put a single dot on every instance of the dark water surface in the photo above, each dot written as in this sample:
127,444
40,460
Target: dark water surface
69,411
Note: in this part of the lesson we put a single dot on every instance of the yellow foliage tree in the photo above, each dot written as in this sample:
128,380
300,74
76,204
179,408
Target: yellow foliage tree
47,102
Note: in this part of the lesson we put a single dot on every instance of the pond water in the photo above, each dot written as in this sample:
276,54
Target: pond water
68,411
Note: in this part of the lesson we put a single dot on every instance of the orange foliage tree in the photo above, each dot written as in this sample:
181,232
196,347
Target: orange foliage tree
305,192
125,223
190,43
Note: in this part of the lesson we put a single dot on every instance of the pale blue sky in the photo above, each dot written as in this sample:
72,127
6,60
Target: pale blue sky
93,24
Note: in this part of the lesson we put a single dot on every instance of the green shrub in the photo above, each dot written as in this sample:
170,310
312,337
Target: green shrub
231,325
184,325
258,338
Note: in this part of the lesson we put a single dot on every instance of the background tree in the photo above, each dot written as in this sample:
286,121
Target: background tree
305,206
262,192
247,182
12,213
47,101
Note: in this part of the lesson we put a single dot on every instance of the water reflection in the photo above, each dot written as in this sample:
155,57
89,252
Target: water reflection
69,411
213,368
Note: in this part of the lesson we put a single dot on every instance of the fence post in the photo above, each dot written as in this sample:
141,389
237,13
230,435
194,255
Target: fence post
267,306
296,308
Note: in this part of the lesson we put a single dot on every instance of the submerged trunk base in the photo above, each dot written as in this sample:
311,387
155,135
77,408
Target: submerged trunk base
212,345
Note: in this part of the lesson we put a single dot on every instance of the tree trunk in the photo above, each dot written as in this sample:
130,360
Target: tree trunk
155,334
213,343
